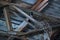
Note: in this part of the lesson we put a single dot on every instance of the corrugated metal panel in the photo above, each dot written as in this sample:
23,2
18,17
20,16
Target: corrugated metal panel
53,8
30,1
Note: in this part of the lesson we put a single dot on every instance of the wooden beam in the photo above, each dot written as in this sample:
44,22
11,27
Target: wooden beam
40,9
7,18
37,3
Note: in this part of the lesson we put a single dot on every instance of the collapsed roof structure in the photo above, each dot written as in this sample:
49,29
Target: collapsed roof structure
29,19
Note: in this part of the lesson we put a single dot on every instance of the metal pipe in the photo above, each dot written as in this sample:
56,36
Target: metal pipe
22,12
20,18
21,26
23,19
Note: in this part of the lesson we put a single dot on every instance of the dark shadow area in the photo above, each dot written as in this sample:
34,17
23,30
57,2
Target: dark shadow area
56,35
16,39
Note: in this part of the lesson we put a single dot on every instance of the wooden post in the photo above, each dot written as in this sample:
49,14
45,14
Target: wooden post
7,18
